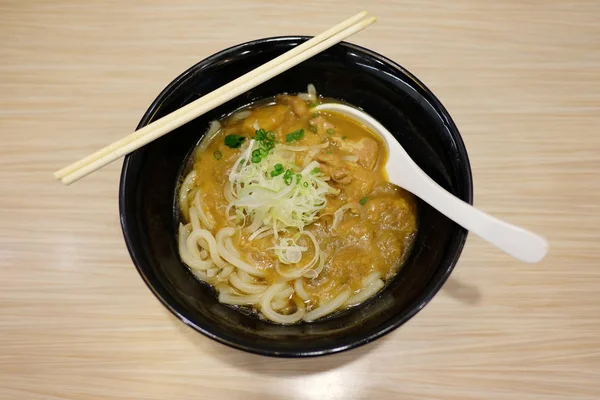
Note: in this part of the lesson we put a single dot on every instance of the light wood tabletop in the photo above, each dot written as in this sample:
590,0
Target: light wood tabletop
522,82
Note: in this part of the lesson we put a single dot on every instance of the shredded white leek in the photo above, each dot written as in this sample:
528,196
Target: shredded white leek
338,215
352,159
275,194
290,199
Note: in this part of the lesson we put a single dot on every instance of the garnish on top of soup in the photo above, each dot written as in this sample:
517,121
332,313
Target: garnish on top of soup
289,212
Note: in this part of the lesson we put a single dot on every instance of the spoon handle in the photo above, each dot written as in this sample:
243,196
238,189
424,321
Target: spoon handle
404,172
518,242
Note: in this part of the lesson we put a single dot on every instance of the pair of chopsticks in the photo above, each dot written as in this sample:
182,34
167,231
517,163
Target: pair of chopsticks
185,114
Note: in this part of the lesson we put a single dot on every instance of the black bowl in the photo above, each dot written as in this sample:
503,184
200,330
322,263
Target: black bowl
359,76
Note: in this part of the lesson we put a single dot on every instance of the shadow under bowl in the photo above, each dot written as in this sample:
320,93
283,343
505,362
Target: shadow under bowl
347,72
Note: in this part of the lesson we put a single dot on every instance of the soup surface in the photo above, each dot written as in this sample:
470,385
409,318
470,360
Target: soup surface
289,212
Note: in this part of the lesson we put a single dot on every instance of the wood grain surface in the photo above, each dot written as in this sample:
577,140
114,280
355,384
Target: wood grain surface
522,81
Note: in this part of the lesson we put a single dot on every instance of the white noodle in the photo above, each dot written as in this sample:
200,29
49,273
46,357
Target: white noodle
299,288
194,218
225,272
245,276
329,307
267,309
224,288
194,239
230,258
201,275
245,287
186,187
284,294
279,304
206,219
231,247
365,293
211,272
371,278
186,257
239,300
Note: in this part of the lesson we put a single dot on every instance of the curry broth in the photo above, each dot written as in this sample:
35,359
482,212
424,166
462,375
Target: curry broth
375,235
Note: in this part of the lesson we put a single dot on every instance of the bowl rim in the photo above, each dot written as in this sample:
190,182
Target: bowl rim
421,300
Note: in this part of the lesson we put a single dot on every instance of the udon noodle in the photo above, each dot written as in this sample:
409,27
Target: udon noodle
289,212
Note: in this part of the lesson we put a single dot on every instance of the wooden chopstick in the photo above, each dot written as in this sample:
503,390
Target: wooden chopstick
223,89
214,99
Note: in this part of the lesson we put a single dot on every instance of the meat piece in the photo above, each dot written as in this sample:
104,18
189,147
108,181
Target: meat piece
321,124
362,183
334,167
390,245
366,149
341,176
267,118
329,159
298,105
391,213
332,205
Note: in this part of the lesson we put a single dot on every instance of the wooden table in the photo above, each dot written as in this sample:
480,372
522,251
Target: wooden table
522,81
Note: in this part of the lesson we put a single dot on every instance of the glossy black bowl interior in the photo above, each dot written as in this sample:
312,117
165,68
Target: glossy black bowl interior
348,72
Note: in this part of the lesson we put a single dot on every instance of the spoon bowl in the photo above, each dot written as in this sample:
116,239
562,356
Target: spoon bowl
404,172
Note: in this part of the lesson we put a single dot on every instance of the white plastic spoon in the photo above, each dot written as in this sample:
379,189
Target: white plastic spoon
402,171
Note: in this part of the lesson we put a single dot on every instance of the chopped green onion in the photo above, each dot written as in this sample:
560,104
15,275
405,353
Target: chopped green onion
296,135
313,104
277,170
315,115
266,139
316,170
329,152
363,200
283,203
217,155
298,178
234,141
257,156
287,177
267,143
344,137
313,129
330,131
305,184
260,135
